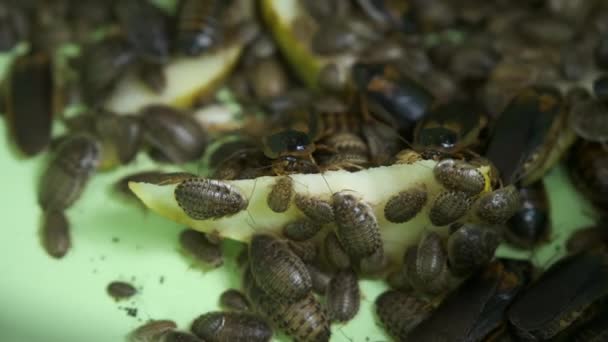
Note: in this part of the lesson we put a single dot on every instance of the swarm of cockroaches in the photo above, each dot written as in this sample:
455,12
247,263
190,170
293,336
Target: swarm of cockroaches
402,140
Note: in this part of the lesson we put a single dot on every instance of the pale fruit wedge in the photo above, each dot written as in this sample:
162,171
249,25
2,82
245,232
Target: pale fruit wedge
187,80
293,29
375,186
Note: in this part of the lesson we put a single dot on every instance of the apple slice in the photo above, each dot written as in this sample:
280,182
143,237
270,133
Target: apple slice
188,78
293,29
375,186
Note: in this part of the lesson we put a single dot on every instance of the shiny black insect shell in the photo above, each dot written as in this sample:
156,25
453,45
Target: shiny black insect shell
176,136
204,199
498,206
531,224
304,320
285,142
231,326
449,128
357,226
68,172
152,331
343,296
525,132
399,312
232,299
562,294
198,25
277,270
396,98
301,229
30,121
179,336
471,247
449,206
121,290
198,246
55,234
315,209
146,28
405,205
477,307
280,195
587,164
459,176
427,265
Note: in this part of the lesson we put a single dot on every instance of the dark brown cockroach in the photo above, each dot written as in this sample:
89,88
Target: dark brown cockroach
301,229
343,296
231,326
55,234
335,254
459,176
587,164
304,320
121,290
449,128
280,195
471,247
400,312
320,279
587,238
179,336
277,270
398,280
68,172
267,78
405,205
152,331
305,250
498,206
204,199
232,299
399,100
357,230
567,290
197,245
427,265
383,142
524,142
177,136
153,76
448,207
477,308
315,209
290,151
146,29
119,135
348,151
199,25
531,224
114,56
30,121
248,163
